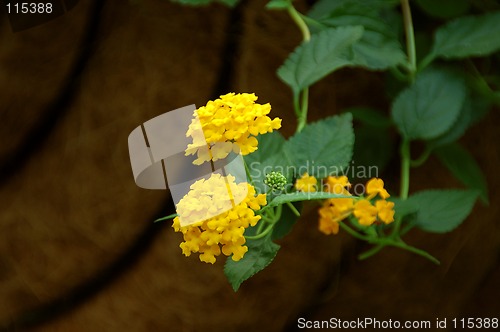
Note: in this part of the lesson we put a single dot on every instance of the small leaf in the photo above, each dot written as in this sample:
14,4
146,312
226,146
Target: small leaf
463,166
278,4
261,253
171,216
430,106
286,222
322,148
441,211
468,36
325,52
302,196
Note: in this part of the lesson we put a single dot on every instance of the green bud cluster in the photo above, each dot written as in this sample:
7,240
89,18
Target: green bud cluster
275,181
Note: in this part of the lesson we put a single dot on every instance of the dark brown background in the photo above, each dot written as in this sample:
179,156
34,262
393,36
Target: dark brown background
78,250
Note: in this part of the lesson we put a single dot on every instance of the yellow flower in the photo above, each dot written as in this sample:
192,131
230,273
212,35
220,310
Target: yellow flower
307,183
376,186
365,212
227,124
385,211
328,220
334,210
337,184
214,214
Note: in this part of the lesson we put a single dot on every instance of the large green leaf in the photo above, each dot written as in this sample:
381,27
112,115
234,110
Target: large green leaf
269,157
322,148
430,106
325,52
403,207
379,47
473,109
440,211
377,51
468,36
261,253
460,162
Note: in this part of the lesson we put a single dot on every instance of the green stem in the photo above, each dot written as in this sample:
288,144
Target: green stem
422,159
410,38
426,61
405,169
405,182
371,252
300,106
353,233
260,235
294,210
297,18
417,251
302,118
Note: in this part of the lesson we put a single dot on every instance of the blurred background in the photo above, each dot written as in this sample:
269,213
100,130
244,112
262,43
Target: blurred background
78,247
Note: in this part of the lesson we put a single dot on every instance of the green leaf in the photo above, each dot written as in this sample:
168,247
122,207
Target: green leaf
444,8
261,253
302,196
463,166
457,129
473,108
403,207
322,148
430,106
321,55
468,36
270,156
441,211
379,47
278,4
369,116
286,222
378,52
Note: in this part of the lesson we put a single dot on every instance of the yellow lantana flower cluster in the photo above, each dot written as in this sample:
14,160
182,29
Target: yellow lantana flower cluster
217,211
230,123
334,210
